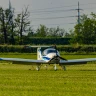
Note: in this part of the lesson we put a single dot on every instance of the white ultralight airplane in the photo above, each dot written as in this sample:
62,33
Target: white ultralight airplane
48,55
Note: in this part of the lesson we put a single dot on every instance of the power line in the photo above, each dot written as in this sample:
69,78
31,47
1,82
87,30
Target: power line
78,9
53,10
43,11
60,7
36,10
46,9
56,24
52,18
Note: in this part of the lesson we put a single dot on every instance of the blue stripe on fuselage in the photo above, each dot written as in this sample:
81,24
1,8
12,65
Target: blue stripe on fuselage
45,58
1,59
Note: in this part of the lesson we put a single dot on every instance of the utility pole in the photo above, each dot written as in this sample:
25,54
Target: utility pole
78,9
78,14
10,21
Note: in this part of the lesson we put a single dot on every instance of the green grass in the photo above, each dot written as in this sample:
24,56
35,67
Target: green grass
17,80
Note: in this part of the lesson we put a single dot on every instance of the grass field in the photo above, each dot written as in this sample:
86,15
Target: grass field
17,80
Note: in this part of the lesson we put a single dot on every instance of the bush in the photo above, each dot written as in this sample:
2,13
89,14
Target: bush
61,48
44,41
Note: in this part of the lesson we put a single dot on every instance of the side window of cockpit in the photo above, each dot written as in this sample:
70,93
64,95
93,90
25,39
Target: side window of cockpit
44,52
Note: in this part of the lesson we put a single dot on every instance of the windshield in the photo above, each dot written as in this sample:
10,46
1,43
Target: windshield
47,51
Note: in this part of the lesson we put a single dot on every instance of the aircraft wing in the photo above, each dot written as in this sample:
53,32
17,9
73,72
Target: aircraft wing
32,61
18,60
77,61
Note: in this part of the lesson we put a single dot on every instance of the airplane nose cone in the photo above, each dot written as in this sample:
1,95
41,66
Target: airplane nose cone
51,55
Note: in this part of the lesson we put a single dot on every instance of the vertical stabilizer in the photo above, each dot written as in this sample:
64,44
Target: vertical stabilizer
38,53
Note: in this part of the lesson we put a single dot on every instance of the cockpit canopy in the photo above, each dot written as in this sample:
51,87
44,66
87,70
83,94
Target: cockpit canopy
49,50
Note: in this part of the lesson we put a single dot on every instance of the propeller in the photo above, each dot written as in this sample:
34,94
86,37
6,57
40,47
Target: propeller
57,56
55,47
62,58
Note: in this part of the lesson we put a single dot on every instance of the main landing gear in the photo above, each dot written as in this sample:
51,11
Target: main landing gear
38,66
63,67
55,67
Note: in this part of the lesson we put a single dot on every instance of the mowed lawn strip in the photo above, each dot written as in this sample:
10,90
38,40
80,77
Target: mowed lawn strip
17,80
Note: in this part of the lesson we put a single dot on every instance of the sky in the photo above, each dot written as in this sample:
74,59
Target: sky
52,13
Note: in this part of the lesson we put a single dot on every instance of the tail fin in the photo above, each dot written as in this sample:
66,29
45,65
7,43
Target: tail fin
39,53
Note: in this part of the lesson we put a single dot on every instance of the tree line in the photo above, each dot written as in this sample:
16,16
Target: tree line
13,27
16,28
85,32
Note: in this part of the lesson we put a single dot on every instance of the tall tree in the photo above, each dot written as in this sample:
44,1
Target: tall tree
42,31
85,32
4,23
22,23
56,32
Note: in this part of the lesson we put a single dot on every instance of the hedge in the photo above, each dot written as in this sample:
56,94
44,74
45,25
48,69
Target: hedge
62,48
44,41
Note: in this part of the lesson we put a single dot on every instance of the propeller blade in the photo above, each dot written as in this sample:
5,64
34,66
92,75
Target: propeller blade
55,47
62,58
57,54
58,57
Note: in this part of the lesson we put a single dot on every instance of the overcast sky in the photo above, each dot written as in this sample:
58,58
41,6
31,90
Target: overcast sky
52,13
